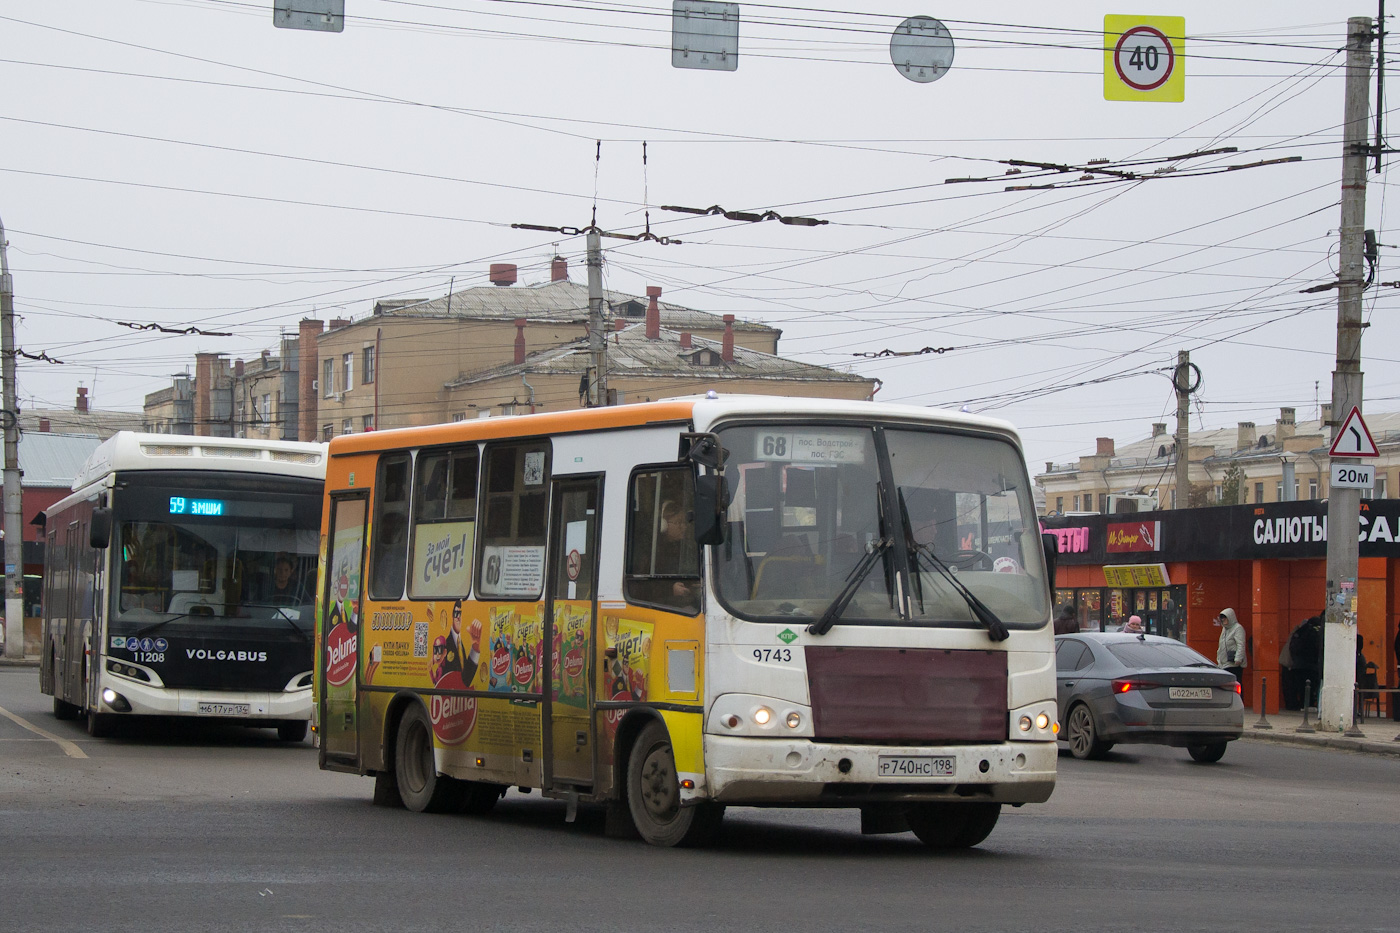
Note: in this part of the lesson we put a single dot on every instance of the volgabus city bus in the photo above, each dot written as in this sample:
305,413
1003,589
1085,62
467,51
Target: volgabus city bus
674,607
180,580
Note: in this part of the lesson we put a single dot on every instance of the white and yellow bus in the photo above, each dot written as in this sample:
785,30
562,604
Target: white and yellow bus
674,607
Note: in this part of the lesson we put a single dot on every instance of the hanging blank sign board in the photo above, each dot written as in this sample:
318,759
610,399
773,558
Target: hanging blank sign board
922,49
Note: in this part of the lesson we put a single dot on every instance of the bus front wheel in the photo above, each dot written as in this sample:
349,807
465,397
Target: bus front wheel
293,730
62,709
654,796
421,788
953,825
98,724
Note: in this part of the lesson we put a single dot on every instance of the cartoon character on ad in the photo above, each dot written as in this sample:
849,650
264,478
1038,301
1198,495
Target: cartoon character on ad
454,665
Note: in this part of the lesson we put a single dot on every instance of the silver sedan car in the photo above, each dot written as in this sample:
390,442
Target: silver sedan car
1143,689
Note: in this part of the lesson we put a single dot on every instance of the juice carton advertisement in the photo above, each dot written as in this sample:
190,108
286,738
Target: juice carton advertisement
625,676
570,662
501,648
525,674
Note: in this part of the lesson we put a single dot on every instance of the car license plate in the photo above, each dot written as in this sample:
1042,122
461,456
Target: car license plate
916,766
223,709
1189,693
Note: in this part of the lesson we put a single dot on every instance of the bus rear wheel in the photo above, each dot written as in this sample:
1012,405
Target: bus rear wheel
654,796
421,788
62,709
953,825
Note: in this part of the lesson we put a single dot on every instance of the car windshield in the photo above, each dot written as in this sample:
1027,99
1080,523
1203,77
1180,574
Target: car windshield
1147,654
810,521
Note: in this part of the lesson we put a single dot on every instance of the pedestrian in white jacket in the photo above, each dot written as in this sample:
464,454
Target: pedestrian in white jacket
1231,653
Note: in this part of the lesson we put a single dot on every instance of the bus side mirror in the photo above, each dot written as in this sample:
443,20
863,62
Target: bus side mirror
1051,544
100,530
711,503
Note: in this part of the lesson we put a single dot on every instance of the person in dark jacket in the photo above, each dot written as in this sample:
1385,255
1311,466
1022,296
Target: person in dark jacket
1065,622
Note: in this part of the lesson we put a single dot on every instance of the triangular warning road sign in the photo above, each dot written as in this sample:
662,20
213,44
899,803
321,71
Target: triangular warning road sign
1354,438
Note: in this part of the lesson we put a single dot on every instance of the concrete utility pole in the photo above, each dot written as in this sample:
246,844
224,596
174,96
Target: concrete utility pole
597,336
1343,505
14,514
1181,380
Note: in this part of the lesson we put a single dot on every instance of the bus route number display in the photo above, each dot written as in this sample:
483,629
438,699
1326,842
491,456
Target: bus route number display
179,505
800,447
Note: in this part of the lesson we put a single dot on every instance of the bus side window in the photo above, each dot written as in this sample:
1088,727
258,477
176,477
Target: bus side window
663,560
514,519
444,519
389,549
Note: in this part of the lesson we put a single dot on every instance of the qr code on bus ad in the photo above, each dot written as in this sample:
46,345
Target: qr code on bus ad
420,639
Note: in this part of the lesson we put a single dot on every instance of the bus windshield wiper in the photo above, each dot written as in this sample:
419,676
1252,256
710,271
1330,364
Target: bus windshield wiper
996,629
853,581
163,622
279,611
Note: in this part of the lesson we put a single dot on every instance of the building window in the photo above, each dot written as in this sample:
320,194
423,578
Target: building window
1278,491
1258,492
368,375
1103,502
328,379
1312,488
347,426
1076,503
1379,491
1059,503
369,422
266,408
349,359
327,432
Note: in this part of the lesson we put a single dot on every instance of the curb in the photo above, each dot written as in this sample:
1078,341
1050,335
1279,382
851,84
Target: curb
19,662
1340,743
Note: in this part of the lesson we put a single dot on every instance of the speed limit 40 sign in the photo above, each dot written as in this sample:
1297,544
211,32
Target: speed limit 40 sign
1144,58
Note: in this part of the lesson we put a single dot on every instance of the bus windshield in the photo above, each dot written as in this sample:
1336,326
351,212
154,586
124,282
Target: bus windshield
809,503
208,556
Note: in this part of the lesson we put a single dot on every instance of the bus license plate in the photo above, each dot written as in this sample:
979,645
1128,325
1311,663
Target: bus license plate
223,709
916,766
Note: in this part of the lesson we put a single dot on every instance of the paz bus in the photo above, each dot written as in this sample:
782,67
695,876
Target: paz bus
180,580
673,607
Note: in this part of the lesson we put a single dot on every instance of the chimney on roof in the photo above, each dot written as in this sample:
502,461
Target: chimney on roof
1286,426
308,333
339,322
1246,435
519,340
1326,414
503,273
238,368
685,340
44,425
1105,447
727,348
1159,428
265,355
653,313
559,269
619,323
81,403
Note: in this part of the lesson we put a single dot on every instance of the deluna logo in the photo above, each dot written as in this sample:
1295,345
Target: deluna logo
200,654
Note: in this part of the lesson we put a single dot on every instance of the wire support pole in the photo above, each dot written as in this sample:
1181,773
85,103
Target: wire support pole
597,336
1343,505
14,513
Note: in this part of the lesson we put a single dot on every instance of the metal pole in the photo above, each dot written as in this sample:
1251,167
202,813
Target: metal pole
1307,706
14,514
1343,505
1183,429
597,338
1263,722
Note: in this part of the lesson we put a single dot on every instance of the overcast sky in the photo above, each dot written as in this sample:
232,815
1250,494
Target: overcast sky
185,163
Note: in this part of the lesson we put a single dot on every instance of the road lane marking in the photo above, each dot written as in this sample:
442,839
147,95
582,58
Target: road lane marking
69,749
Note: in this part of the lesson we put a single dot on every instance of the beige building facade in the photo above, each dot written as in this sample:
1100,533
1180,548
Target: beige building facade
491,350
1230,466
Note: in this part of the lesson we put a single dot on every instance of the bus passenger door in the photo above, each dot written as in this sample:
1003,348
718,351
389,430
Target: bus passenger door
571,604
339,629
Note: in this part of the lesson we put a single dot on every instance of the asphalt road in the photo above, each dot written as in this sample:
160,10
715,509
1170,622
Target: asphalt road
172,828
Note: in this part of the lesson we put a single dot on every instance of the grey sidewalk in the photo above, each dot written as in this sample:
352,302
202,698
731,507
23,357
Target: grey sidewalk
1380,733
